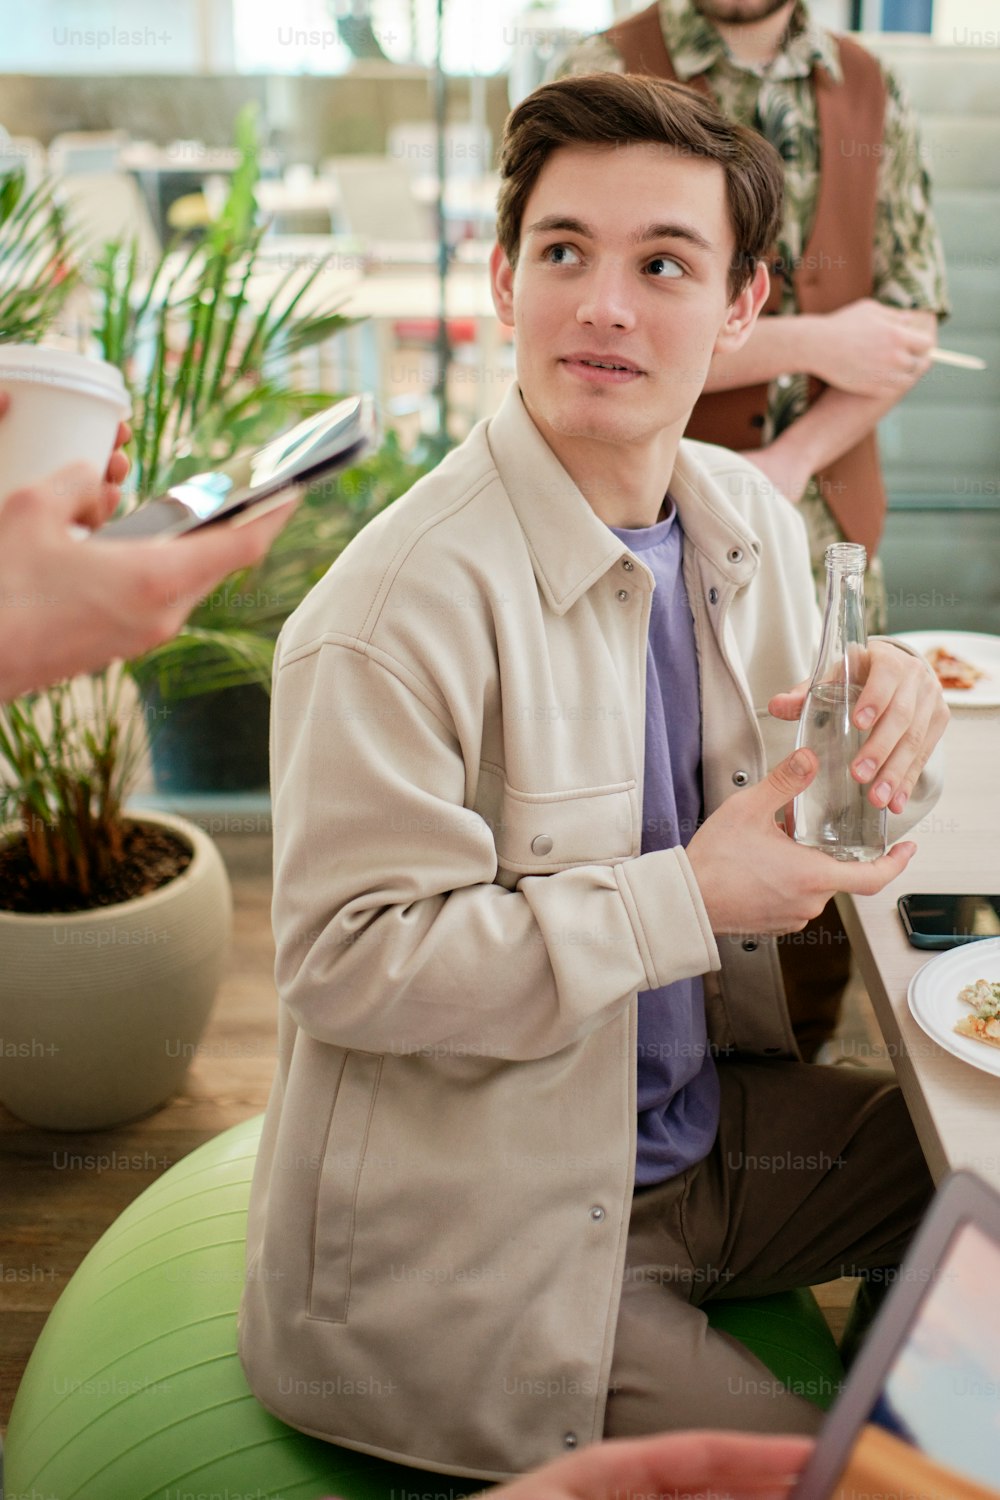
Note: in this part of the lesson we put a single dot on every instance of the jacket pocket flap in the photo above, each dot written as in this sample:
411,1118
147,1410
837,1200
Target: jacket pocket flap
540,832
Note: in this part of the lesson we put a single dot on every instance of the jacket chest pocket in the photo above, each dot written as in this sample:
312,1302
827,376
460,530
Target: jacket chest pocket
339,1180
538,833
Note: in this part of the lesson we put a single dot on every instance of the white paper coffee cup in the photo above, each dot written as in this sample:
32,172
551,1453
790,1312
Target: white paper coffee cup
64,408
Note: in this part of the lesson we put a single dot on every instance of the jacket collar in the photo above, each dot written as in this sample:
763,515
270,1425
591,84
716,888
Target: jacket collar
571,548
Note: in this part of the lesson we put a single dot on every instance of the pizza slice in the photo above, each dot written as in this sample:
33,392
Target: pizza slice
981,1029
984,1025
953,671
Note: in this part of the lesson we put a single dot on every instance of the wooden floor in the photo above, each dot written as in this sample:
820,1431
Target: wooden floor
54,1207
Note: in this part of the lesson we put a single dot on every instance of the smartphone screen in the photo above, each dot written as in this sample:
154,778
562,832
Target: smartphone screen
943,921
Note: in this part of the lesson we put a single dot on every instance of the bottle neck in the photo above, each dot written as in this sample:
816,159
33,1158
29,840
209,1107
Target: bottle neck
843,648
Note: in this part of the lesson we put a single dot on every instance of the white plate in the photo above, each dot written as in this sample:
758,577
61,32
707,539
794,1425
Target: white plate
934,1002
982,651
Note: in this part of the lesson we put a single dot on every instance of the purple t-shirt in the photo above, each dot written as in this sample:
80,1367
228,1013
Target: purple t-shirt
678,1085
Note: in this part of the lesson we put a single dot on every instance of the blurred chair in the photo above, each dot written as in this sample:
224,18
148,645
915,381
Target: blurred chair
86,151
376,198
110,206
468,148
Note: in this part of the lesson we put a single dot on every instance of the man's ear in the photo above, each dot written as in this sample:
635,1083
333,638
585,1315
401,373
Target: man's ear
502,286
741,313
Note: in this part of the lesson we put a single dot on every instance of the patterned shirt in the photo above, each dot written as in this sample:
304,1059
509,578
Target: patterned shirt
778,101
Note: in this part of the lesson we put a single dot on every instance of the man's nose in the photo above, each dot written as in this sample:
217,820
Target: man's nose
606,298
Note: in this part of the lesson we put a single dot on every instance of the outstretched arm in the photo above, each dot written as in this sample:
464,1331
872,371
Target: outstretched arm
68,607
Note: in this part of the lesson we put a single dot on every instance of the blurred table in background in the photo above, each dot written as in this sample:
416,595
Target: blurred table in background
390,352
166,173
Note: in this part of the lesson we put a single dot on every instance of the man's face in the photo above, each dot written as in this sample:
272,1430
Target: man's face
738,12
621,291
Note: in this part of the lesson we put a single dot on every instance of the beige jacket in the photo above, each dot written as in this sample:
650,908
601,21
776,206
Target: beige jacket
441,1200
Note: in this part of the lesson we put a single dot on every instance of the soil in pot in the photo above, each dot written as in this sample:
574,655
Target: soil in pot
152,856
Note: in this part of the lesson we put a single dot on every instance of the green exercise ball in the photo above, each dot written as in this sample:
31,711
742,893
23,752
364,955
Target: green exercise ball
134,1390
789,1334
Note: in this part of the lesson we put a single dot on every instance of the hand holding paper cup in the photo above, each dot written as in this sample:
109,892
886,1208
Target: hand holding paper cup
64,408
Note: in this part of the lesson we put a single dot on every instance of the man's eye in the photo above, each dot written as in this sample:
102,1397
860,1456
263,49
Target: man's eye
562,255
662,267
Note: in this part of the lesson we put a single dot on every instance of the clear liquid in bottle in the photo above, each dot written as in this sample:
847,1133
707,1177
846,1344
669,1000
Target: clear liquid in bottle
833,813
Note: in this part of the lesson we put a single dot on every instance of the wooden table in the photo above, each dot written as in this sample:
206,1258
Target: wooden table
955,1107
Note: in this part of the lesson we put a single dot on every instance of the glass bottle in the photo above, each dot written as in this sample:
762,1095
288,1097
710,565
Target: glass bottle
833,813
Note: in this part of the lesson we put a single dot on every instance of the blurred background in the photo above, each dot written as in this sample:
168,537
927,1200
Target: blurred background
133,107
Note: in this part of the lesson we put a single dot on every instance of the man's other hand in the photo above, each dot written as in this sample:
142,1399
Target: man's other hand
903,706
870,349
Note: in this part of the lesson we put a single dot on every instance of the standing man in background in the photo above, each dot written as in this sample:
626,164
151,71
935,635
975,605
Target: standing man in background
857,287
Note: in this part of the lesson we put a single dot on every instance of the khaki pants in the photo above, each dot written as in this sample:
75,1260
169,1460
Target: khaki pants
816,1173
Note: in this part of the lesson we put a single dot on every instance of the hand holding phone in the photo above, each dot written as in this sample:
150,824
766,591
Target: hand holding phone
253,483
945,921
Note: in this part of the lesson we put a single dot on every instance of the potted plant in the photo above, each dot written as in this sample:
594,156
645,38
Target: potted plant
37,253
86,1030
209,377
113,929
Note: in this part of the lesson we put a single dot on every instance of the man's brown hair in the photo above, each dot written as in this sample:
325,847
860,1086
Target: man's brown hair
614,110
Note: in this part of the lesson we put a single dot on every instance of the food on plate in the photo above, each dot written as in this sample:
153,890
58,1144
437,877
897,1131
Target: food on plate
953,671
984,1025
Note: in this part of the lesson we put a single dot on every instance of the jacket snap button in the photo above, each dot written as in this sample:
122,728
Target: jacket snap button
541,844
740,778
597,1212
569,1441
736,554
623,595
713,596
627,564
749,946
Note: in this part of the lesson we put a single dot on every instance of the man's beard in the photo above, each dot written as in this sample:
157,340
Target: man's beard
732,13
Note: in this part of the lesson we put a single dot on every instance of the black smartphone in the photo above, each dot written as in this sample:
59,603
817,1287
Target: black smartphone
945,921
254,482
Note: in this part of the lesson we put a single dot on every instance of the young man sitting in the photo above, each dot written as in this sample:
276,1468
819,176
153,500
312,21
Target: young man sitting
531,735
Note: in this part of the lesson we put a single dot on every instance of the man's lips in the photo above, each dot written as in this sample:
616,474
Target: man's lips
603,368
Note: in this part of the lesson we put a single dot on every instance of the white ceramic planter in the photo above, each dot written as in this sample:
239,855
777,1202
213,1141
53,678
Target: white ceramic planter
101,1011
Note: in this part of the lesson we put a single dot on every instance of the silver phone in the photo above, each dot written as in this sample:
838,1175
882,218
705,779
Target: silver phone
254,482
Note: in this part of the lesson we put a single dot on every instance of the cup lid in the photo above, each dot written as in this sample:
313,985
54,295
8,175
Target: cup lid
64,368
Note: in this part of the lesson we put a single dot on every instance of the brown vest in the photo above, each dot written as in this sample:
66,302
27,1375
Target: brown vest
836,263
